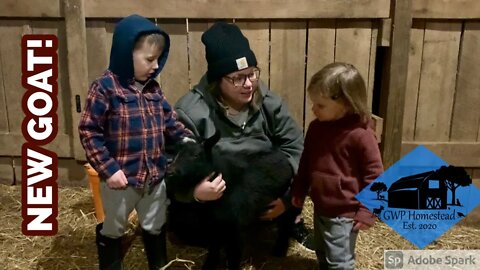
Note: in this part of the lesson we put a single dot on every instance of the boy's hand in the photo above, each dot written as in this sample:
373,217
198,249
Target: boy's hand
210,191
297,202
275,209
117,181
358,225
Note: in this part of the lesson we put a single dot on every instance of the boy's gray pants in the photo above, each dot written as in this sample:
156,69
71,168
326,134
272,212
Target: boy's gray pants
119,203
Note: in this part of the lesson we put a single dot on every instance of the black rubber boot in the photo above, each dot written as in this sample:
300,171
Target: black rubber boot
155,249
109,251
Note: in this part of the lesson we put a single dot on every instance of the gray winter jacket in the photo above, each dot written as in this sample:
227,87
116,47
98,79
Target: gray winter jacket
269,123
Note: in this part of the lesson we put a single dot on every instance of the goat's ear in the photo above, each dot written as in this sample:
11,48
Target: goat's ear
210,142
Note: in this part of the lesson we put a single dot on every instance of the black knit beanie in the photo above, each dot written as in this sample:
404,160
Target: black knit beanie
227,50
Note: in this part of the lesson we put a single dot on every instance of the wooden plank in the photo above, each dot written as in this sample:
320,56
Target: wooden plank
11,145
437,81
378,127
287,64
466,118
12,32
473,218
258,35
446,9
394,95
71,173
6,171
243,9
320,52
97,51
77,65
384,32
465,154
203,9
3,98
352,45
476,175
174,76
17,168
478,134
371,65
413,79
110,27
196,51
30,8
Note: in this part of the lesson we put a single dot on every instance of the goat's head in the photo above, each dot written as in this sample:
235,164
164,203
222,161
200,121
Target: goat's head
191,164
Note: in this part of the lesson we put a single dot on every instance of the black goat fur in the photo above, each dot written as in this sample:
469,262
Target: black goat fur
253,181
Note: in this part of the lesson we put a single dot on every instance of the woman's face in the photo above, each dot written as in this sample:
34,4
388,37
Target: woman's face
237,88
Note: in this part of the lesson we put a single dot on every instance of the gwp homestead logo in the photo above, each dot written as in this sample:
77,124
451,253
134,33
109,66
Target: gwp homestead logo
421,196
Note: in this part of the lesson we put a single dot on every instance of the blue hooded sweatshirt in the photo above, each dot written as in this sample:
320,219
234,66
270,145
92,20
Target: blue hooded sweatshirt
127,32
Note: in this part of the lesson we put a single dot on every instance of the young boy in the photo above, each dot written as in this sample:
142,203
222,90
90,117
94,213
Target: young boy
123,130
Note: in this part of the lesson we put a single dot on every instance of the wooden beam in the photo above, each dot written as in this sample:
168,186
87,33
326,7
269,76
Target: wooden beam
397,81
77,66
378,127
297,9
11,145
212,9
30,8
6,171
287,64
384,33
446,9
465,154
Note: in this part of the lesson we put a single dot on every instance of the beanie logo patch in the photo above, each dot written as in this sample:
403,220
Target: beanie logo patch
242,63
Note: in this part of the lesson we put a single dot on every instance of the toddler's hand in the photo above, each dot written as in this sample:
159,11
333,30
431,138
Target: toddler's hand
210,191
117,181
358,225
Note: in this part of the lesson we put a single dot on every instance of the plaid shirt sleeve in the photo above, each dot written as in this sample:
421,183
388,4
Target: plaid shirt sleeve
91,130
174,129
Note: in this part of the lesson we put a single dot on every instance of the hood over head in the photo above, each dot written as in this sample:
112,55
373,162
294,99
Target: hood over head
127,32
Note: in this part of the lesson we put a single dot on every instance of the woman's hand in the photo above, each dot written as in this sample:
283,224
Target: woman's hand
275,209
117,181
210,191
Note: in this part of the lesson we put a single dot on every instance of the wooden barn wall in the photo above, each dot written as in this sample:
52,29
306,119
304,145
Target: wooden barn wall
442,93
289,52
11,93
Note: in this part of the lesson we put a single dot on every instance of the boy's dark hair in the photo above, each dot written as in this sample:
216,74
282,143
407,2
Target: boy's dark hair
342,81
154,39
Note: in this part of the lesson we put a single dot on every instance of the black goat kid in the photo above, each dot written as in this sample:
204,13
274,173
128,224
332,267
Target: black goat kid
252,182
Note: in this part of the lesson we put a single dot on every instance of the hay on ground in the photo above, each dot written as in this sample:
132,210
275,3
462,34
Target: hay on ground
74,248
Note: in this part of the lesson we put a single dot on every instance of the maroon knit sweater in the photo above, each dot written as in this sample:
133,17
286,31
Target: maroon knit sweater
340,158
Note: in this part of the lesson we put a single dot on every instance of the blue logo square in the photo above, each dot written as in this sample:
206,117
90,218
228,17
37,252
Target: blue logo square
421,196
